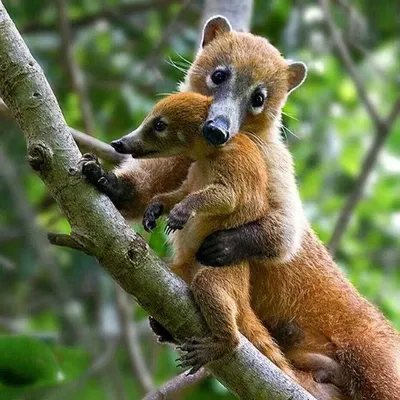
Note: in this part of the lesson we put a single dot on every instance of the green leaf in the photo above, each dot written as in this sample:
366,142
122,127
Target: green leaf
25,361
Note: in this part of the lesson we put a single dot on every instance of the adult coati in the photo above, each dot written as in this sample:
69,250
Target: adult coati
249,81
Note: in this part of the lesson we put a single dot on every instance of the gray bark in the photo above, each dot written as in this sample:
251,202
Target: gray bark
98,228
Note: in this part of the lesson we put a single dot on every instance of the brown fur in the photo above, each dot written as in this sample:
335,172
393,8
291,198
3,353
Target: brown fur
225,188
213,202
305,285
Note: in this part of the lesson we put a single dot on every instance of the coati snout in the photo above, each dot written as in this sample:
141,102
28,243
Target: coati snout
174,127
216,131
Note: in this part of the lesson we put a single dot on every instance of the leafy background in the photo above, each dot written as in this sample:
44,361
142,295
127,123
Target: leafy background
74,344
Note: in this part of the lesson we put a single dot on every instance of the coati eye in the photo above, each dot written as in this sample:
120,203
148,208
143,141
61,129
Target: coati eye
159,125
219,76
257,100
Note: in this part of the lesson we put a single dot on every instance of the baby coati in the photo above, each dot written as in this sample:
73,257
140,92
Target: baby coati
225,188
249,81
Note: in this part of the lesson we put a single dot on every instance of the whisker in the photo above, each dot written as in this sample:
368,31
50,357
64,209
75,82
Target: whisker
288,130
175,65
166,93
183,58
289,115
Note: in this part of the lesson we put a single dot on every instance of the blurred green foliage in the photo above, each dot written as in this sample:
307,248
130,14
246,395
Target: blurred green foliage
61,301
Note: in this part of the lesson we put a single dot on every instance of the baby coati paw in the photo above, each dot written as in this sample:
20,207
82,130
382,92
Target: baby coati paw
152,213
163,336
178,217
201,351
92,170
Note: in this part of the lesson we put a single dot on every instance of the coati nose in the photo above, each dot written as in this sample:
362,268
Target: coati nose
118,146
216,132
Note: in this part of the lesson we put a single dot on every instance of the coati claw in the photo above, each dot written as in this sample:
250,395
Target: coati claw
201,351
152,213
178,217
91,168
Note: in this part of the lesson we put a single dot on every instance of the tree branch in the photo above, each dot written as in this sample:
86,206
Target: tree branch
383,128
123,253
367,167
101,149
89,143
176,385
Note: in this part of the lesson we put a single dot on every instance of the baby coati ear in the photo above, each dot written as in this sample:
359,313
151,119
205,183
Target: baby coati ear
214,27
297,74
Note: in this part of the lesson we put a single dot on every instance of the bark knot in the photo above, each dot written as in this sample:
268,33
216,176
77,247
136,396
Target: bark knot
39,156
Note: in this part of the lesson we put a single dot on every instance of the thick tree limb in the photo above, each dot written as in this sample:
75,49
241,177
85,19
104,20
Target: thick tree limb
104,233
176,385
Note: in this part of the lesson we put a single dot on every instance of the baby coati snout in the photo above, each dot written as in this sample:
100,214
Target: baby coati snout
175,125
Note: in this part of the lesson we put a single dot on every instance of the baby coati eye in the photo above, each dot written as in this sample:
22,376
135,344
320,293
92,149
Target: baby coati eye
159,125
257,100
219,76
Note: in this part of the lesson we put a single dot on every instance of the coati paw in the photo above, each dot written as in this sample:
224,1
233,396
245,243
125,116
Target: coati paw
152,213
163,335
178,217
92,170
201,351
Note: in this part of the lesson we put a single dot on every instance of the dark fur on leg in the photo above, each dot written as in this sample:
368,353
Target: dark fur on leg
224,248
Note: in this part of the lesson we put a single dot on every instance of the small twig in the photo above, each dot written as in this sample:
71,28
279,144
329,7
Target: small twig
104,14
382,129
63,240
368,165
176,385
73,70
101,149
345,56
130,337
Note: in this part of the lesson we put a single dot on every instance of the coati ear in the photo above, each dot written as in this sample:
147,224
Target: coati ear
214,27
297,74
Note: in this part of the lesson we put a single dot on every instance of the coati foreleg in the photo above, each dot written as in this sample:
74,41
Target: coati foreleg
133,184
117,189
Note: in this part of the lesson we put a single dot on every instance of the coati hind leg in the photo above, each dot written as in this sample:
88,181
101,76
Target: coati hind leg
216,294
